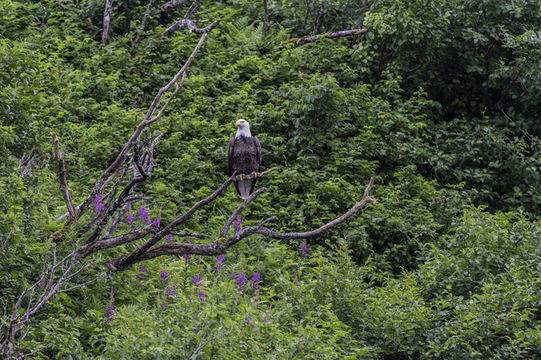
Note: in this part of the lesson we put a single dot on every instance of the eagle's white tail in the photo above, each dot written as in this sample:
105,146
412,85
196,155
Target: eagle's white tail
244,187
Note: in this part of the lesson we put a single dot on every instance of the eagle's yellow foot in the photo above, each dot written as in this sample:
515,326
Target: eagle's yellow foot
240,177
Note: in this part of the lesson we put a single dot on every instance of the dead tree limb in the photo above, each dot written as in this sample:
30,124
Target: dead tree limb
331,35
190,24
169,4
148,12
150,250
266,24
106,21
57,276
61,172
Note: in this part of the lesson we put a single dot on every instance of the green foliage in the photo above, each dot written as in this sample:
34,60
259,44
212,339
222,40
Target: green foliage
439,101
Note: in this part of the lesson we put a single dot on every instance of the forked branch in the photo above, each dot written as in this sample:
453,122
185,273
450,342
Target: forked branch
150,250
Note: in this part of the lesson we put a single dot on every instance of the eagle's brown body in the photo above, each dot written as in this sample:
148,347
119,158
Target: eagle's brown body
244,156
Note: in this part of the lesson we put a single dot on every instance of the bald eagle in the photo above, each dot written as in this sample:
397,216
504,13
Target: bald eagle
244,156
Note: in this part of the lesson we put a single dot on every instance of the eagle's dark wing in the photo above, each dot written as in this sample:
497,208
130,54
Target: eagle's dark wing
230,148
258,154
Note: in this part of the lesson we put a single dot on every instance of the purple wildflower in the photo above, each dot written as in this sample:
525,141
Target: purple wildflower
169,237
99,206
129,218
302,249
248,322
220,262
143,213
163,275
201,294
241,283
109,314
187,258
80,171
232,275
164,305
265,320
156,222
254,282
171,292
42,284
141,275
196,280
237,225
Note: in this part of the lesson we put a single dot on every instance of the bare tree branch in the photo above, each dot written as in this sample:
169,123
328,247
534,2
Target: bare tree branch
331,35
52,282
108,243
235,215
190,24
266,24
106,21
317,23
126,260
145,17
169,4
305,235
5,242
61,172
254,175
188,234
220,246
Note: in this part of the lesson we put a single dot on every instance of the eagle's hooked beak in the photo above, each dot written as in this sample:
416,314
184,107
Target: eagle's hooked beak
237,124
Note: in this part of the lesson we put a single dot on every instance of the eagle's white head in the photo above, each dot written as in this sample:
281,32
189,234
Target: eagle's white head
243,128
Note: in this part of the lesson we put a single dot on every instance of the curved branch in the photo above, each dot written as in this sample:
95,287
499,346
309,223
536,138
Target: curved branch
221,245
305,235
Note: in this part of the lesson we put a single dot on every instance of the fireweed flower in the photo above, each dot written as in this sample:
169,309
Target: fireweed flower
254,282
201,294
109,314
187,258
143,213
302,249
141,275
241,283
237,225
220,262
163,275
99,206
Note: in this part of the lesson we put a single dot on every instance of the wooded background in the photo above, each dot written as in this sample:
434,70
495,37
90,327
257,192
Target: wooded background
438,101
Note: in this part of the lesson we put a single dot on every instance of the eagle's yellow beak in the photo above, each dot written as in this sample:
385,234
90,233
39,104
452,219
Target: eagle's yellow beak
237,124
